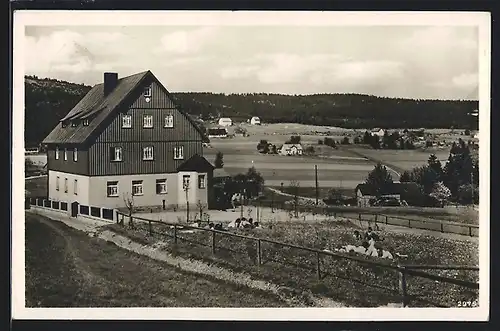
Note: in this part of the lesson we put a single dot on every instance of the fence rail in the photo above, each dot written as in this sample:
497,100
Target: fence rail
471,230
402,270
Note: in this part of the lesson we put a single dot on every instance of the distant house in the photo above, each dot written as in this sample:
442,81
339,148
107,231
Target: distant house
217,133
255,120
225,121
291,149
366,194
476,135
378,132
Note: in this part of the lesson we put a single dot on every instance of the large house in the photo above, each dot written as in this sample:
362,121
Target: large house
291,149
255,120
367,194
377,132
217,133
127,140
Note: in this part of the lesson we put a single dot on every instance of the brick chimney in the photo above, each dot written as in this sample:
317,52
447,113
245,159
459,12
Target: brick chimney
110,82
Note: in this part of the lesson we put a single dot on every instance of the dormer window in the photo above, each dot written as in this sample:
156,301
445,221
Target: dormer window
74,123
86,122
64,124
147,92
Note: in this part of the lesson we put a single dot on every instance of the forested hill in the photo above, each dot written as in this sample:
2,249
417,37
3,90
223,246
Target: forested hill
48,100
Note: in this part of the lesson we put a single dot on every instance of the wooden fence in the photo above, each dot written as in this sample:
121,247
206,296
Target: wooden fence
442,226
403,270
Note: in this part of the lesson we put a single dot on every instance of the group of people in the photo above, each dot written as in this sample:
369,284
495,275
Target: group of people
244,223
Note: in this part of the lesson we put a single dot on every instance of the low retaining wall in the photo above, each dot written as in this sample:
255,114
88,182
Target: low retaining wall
64,208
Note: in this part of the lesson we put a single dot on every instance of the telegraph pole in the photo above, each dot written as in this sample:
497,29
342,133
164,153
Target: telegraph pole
316,178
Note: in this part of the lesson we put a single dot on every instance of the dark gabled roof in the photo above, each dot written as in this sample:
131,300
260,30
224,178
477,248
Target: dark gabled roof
220,173
196,163
217,131
97,107
394,188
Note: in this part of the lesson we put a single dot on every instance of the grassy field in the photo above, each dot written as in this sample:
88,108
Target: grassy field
66,268
351,282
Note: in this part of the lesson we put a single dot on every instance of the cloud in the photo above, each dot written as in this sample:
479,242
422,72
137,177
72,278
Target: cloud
182,42
466,81
442,37
68,51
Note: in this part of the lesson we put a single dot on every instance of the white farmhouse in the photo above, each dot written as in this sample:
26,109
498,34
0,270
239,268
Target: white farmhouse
225,121
255,120
291,149
378,132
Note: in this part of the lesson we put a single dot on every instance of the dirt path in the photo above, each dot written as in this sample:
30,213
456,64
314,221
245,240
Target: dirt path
242,281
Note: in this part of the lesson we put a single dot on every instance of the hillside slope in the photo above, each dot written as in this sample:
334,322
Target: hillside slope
48,100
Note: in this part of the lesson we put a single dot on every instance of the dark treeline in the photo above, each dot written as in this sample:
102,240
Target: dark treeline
48,100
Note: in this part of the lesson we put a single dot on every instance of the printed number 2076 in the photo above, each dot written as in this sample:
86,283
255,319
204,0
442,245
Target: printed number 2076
469,303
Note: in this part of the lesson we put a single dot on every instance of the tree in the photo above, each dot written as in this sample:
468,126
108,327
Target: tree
253,182
375,142
320,142
435,165
262,144
185,187
405,177
201,207
129,204
265,149
357,140
294,140
367,138
274,149
440,192
219,160
345,141
310,150
379,178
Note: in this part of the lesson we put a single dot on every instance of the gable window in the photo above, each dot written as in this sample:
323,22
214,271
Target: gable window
65,154
75,187
137,187
147,91
57,183
112,189
57,153
148,121
201,181
75,154
115,154
147,153
126,121
169,121
86,122
161,186
179,153
65,185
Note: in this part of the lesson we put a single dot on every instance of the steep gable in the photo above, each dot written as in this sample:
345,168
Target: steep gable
98,109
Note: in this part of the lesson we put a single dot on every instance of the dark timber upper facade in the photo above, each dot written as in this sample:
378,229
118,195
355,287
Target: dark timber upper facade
127,138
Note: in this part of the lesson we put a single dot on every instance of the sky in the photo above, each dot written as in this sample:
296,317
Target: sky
420,62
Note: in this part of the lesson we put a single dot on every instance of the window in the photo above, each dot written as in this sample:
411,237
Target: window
201,181
74,123
178,153
185,182
86,122
75,154
64,124
65,154
126,121
137,187
75,187
112,189
57,153
169,121
65,185
161,186
147,153
148,121
147,92
115,154
57,183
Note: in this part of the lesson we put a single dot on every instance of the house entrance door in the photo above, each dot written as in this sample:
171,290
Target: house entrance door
74,209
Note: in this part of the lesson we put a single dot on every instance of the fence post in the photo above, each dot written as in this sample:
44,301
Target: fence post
259,255
318,265
409,223
213,242
402,285
175,234
386,222
470,231
359,216
376,218
150,229
442,229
